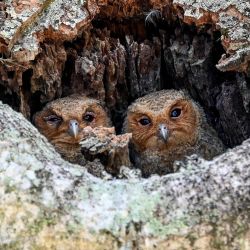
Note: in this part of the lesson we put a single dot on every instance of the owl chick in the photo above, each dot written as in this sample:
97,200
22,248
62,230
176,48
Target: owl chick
62,121
166,126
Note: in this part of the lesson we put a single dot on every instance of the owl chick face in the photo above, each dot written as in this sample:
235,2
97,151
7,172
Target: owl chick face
164,120
62,121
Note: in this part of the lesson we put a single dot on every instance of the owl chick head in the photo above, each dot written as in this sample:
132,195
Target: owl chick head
163,120
63,120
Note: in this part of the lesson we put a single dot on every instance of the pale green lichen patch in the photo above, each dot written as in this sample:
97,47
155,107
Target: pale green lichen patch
48,203
232,18
177,227
64,17
55,15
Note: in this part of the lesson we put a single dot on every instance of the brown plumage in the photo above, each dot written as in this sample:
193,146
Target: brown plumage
62,121
166,126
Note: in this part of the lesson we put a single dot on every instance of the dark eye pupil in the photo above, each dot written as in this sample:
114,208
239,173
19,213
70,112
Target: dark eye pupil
89,118
175,112
53,119
144,121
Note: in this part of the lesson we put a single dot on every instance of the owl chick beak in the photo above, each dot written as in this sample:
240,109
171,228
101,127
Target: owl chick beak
73,128
163,132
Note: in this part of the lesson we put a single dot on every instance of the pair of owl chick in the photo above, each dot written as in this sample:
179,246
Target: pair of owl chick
166,126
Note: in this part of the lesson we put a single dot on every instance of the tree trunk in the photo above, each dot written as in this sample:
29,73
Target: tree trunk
47,203
54,48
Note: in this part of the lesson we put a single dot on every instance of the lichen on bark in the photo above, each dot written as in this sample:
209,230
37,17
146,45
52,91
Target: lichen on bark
103,49
55,48
51,204
233,19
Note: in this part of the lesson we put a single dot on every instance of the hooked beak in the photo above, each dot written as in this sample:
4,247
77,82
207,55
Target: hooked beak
163,132
73,128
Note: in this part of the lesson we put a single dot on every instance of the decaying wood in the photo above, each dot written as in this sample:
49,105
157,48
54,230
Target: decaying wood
105,50
55,48
111,149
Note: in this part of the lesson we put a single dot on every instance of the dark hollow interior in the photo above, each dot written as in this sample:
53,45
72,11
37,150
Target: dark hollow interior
121,60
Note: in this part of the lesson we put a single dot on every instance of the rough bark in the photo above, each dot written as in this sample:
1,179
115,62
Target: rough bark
232,18
55,48
48,20
47,203
112,150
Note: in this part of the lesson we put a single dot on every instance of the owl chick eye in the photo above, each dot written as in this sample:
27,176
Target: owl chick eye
53,119
175,113
144,121
89,117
